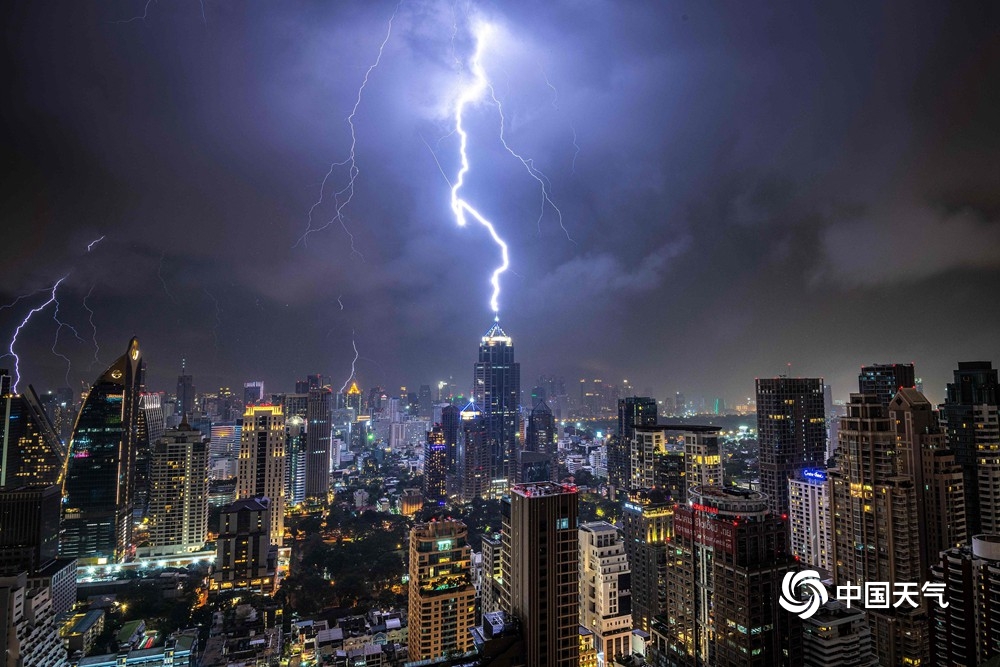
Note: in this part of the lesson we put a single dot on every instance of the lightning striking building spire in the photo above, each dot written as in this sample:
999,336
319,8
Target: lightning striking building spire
344,196
354,363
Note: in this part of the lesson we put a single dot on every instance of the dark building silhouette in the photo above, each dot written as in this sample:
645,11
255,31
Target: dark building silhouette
791,430
451,424
435,465
474,450
647,526
632,411
29,528
884,380
185,395
319,418
426,401
496,390
541,431
969,416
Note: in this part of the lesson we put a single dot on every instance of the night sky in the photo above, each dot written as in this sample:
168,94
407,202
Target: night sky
756,184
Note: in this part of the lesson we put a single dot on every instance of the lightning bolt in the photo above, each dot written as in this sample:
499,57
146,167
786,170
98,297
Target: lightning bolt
340,302
145,13
93,327
353,364
59,327
344,196
24,323
90,246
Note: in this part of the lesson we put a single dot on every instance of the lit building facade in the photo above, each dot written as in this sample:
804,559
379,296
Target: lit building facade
318,439
245,557
178,498
605,589
435,465
809,518
30,450
261,466
647,525
496,390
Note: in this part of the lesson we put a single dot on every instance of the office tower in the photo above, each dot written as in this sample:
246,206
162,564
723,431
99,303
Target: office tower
647,526
490,596
605,589
967,631
541,435
875,525
633,411
442,599
354,400
473,455
178,498
496,390
809,518
969,416
435,465
724,572
702,455
29,537
646,443
98,492
30,449
837,635
253,392
535,467
670,473
884,380
426,402
318,439
539,570
451,424
225,441
245,558
149,429
296,449
261,466
28,631
791,431
185,394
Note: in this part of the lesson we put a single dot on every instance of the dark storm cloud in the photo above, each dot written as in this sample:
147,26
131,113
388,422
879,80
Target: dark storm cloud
755,185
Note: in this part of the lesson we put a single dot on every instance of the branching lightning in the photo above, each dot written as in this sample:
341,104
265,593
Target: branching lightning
55,341
353,364
93,327
24,323
344,196
145,13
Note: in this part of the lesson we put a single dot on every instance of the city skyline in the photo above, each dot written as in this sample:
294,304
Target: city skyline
193,147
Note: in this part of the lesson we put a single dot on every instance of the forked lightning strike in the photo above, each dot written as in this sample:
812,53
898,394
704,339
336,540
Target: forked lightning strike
24,323
347,192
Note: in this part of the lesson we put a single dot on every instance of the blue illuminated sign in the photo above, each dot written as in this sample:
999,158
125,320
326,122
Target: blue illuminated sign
819,475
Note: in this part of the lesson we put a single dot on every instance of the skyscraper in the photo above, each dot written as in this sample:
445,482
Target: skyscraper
435,465
296,449
442,599
426,409
727,561
884,380
30,450
633,411
261,466
791,431
541,436
496,390
647,524
969,415
318,439
99,487
809,518
451,424
245,557
605,589
185,394
29,539
539,566
473,466
178,498
253,392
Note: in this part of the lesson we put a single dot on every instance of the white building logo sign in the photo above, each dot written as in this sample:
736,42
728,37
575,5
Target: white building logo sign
803,593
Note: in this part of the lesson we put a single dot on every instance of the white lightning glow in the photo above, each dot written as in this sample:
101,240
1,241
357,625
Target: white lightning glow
347,192
460,207
24,323
354,363
90,246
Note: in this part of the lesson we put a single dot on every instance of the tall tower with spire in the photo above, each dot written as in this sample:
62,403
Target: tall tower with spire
496,390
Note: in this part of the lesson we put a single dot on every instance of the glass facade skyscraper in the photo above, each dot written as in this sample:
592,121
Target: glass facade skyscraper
496,391
100,484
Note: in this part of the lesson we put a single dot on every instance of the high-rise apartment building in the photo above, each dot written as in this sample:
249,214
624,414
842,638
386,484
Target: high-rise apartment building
541,430
837,635
809,518
632,411
605,589
492,580
29,537
791,431
30,450
496,390
473,465
885,380
296,452
726,563
969,415
442,599
876,523
185,394
318,442
451,424
261,466
99,487
245,557
435,465
702,448
178,497
647,525
540,570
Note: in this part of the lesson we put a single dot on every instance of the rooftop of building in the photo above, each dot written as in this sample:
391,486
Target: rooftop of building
81,623
598,527
681,428
252,504
535,489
